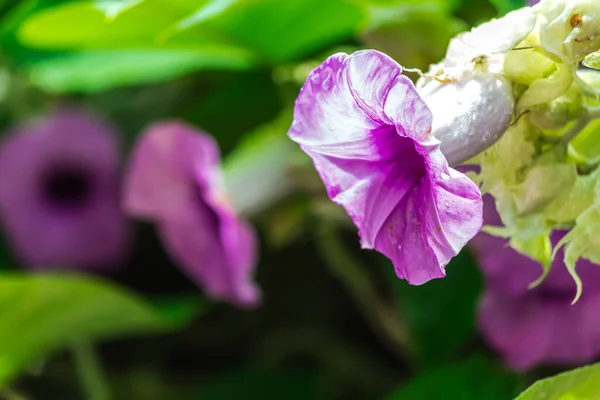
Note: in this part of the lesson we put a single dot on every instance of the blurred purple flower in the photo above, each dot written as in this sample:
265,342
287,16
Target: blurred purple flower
59,192
530,327
174,180
368,133
532,2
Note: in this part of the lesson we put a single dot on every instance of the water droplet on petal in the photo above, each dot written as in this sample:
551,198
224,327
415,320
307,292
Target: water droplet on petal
445,176
447,204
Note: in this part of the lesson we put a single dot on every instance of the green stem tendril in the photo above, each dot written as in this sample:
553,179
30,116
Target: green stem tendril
90,372
385,320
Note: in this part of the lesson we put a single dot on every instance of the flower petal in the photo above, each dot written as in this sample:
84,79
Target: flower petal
89,233
368,133
174,180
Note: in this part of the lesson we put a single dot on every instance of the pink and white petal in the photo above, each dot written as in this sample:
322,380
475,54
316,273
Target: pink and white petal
340,121
164,166
403,240
194,242
455,213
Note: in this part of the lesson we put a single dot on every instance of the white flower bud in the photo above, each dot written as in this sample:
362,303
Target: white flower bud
470,114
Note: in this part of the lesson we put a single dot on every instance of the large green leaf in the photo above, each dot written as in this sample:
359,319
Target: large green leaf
277,30
579,384
415,34
506,6
41,313
93,71
291,29
440,314
474,379
83,25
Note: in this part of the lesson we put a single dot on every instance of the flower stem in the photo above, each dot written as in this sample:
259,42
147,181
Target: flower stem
385,320
593,113
90,372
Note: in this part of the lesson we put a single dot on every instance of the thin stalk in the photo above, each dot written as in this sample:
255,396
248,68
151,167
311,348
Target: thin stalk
385,320
90,372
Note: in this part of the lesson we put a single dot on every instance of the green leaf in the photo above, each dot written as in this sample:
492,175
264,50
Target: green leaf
474,379
578,384
592,60
94,71
586,144
41,313
288,30
415,35
180,310
211,9
440,314
112,8
278,31
264,153
506,6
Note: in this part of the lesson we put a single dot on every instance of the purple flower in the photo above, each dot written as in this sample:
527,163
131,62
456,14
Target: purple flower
368,133
536,326
174,180
532,2
59,192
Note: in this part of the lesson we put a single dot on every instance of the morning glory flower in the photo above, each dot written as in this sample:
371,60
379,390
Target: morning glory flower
368,133
174,180
531,327
59,192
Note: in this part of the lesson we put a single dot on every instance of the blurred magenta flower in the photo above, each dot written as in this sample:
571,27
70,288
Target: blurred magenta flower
59,192
174,180
530,327
368,133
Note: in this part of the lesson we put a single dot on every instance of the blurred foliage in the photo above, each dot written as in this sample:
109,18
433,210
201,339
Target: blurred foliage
335,323
475,378
441,314
45,312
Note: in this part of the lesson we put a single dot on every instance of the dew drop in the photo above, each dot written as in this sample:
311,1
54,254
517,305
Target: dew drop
445,176
447,204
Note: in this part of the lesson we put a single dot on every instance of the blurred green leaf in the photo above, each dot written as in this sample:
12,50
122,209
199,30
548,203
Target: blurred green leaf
291,29
180,310
264,153
474,379
416,35
506,6
82,25
276,30
211,9
578,384
260,385
441,314
112,8
41,313
94,71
